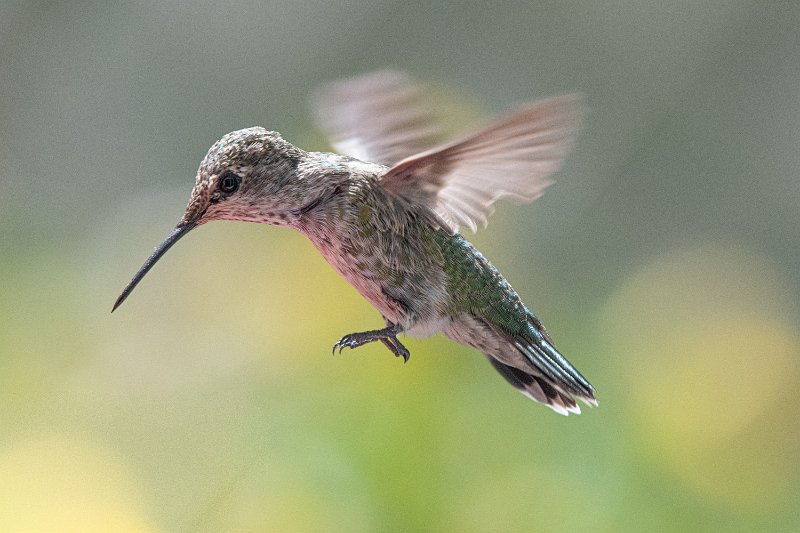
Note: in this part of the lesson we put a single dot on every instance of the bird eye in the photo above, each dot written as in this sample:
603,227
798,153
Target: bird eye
229,182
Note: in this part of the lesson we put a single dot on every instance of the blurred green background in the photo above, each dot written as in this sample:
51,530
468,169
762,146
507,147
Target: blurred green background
664,262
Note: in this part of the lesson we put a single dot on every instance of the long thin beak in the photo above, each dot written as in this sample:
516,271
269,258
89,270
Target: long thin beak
173,237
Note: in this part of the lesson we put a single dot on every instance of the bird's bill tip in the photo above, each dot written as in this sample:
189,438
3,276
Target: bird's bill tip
117,303
174,236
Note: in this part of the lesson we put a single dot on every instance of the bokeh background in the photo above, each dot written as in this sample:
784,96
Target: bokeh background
664,262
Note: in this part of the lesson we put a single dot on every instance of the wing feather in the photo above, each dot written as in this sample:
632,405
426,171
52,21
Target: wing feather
381,117
511,159
378,117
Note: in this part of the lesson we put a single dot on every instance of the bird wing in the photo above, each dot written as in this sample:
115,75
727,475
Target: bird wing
513,158
377,117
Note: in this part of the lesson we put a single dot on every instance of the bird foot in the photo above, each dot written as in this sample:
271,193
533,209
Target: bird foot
388,336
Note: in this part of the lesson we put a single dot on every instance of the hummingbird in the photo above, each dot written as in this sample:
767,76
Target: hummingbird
387,210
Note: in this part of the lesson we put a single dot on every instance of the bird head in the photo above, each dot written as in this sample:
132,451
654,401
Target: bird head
248,175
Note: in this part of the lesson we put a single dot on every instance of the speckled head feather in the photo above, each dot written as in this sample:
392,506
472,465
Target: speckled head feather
263,163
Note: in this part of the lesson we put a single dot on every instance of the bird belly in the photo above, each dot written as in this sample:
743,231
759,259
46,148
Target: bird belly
410,303
427,328
365,282
389,255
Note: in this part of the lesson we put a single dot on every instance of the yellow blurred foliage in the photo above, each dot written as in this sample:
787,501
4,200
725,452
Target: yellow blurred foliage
62,482
707,350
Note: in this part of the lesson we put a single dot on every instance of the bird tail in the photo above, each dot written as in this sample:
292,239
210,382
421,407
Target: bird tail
545,375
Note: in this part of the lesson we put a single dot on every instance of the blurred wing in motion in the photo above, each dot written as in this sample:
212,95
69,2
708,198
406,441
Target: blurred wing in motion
513,158
378,117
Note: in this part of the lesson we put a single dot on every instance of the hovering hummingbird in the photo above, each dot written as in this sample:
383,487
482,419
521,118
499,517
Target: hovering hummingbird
386,216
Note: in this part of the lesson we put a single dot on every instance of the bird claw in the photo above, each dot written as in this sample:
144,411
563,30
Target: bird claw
397,348
348,341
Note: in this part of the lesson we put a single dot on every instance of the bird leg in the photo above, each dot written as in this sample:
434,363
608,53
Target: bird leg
387,335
